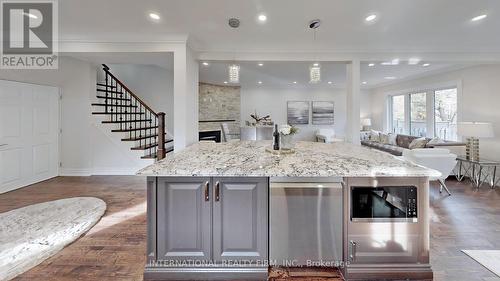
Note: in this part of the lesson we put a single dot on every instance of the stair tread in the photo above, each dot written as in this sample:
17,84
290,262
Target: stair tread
115,105
149,145
134,129
136,138
116,113
126,121
153,155
112,98
109,91
104,85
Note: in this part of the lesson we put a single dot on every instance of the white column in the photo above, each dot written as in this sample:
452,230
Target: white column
185,98
353,102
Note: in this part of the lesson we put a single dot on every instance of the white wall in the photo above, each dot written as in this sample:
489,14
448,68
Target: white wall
153,84
87,146
273,101
478,99
75,78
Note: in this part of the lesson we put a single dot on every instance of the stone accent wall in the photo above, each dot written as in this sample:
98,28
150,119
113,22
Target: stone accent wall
218,103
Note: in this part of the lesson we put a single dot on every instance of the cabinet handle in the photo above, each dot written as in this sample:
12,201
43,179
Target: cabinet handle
217,191
352,256
207,193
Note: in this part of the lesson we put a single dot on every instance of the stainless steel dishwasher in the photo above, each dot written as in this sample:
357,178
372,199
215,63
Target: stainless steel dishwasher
305,221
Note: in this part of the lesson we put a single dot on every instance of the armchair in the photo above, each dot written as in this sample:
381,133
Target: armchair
439,159
326,135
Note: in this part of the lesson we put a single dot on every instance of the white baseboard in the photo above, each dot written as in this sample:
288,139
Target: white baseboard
67,172
115,172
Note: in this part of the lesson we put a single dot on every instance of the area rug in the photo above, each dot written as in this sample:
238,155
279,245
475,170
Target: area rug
31,234
487,258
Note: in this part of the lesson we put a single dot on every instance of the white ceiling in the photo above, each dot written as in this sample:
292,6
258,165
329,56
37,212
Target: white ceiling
283,74
402,26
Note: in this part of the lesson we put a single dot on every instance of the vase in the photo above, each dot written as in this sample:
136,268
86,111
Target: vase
286,142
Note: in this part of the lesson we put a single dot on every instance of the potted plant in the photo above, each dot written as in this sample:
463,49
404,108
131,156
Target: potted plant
286,136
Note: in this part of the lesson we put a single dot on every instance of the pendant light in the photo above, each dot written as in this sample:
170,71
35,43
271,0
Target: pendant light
315,73
315,69
233,69
234,73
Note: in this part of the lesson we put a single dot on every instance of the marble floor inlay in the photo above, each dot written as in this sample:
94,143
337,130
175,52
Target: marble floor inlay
31,234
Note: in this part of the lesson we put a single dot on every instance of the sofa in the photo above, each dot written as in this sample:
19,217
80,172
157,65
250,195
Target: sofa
402,143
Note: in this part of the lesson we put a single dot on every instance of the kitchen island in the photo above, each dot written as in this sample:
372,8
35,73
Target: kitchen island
230,210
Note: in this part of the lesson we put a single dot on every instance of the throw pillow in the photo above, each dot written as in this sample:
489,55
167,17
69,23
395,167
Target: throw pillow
384,138
392,139
435,141
418,143
374,136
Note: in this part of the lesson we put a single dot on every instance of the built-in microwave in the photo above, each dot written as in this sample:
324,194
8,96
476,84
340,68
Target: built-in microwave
384,203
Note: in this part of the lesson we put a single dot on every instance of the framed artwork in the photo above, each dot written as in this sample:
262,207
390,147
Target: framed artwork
323,112
298,112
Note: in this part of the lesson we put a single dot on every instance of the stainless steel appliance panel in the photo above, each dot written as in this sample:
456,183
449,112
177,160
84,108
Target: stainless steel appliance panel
305,223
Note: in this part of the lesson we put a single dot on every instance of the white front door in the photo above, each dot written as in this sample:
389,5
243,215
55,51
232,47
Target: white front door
29,128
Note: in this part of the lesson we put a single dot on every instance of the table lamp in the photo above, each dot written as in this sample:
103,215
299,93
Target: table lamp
473,131
366,123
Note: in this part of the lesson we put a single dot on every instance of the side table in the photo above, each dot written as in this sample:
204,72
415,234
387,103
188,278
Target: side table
478,171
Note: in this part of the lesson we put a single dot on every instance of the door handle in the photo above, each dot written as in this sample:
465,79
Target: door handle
207,193
217,191
352,256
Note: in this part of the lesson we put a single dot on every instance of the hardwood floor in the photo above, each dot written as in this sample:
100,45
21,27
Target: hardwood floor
115,248
467,220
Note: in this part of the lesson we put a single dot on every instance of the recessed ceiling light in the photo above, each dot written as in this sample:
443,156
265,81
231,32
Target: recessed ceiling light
154,16
392,62
260,64
330,82
260,82
225,82
371,17
426,64
480,17
390,77
262,18
364,82
294,82
371,64
205,63
413,61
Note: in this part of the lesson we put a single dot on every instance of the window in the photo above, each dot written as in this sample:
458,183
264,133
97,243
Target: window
418,115
431,113
445,112
398,114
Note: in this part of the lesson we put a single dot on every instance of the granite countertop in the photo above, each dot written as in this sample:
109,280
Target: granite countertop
311,159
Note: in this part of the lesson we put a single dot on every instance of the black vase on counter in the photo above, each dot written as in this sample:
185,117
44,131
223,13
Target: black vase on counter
276,138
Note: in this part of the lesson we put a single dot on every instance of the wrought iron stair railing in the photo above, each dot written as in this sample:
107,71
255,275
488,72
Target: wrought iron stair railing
132,116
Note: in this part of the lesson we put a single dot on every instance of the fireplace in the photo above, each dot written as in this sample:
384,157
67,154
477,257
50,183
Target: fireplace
210,136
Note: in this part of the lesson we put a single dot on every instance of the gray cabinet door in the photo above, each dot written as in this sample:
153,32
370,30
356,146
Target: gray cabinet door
240,219
184,218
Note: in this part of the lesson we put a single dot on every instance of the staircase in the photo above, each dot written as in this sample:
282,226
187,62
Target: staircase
134,119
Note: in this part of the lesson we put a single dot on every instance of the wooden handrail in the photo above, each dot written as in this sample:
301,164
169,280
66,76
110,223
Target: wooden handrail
158,117
106,69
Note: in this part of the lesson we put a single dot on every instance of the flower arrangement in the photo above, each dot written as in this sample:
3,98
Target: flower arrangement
288,130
